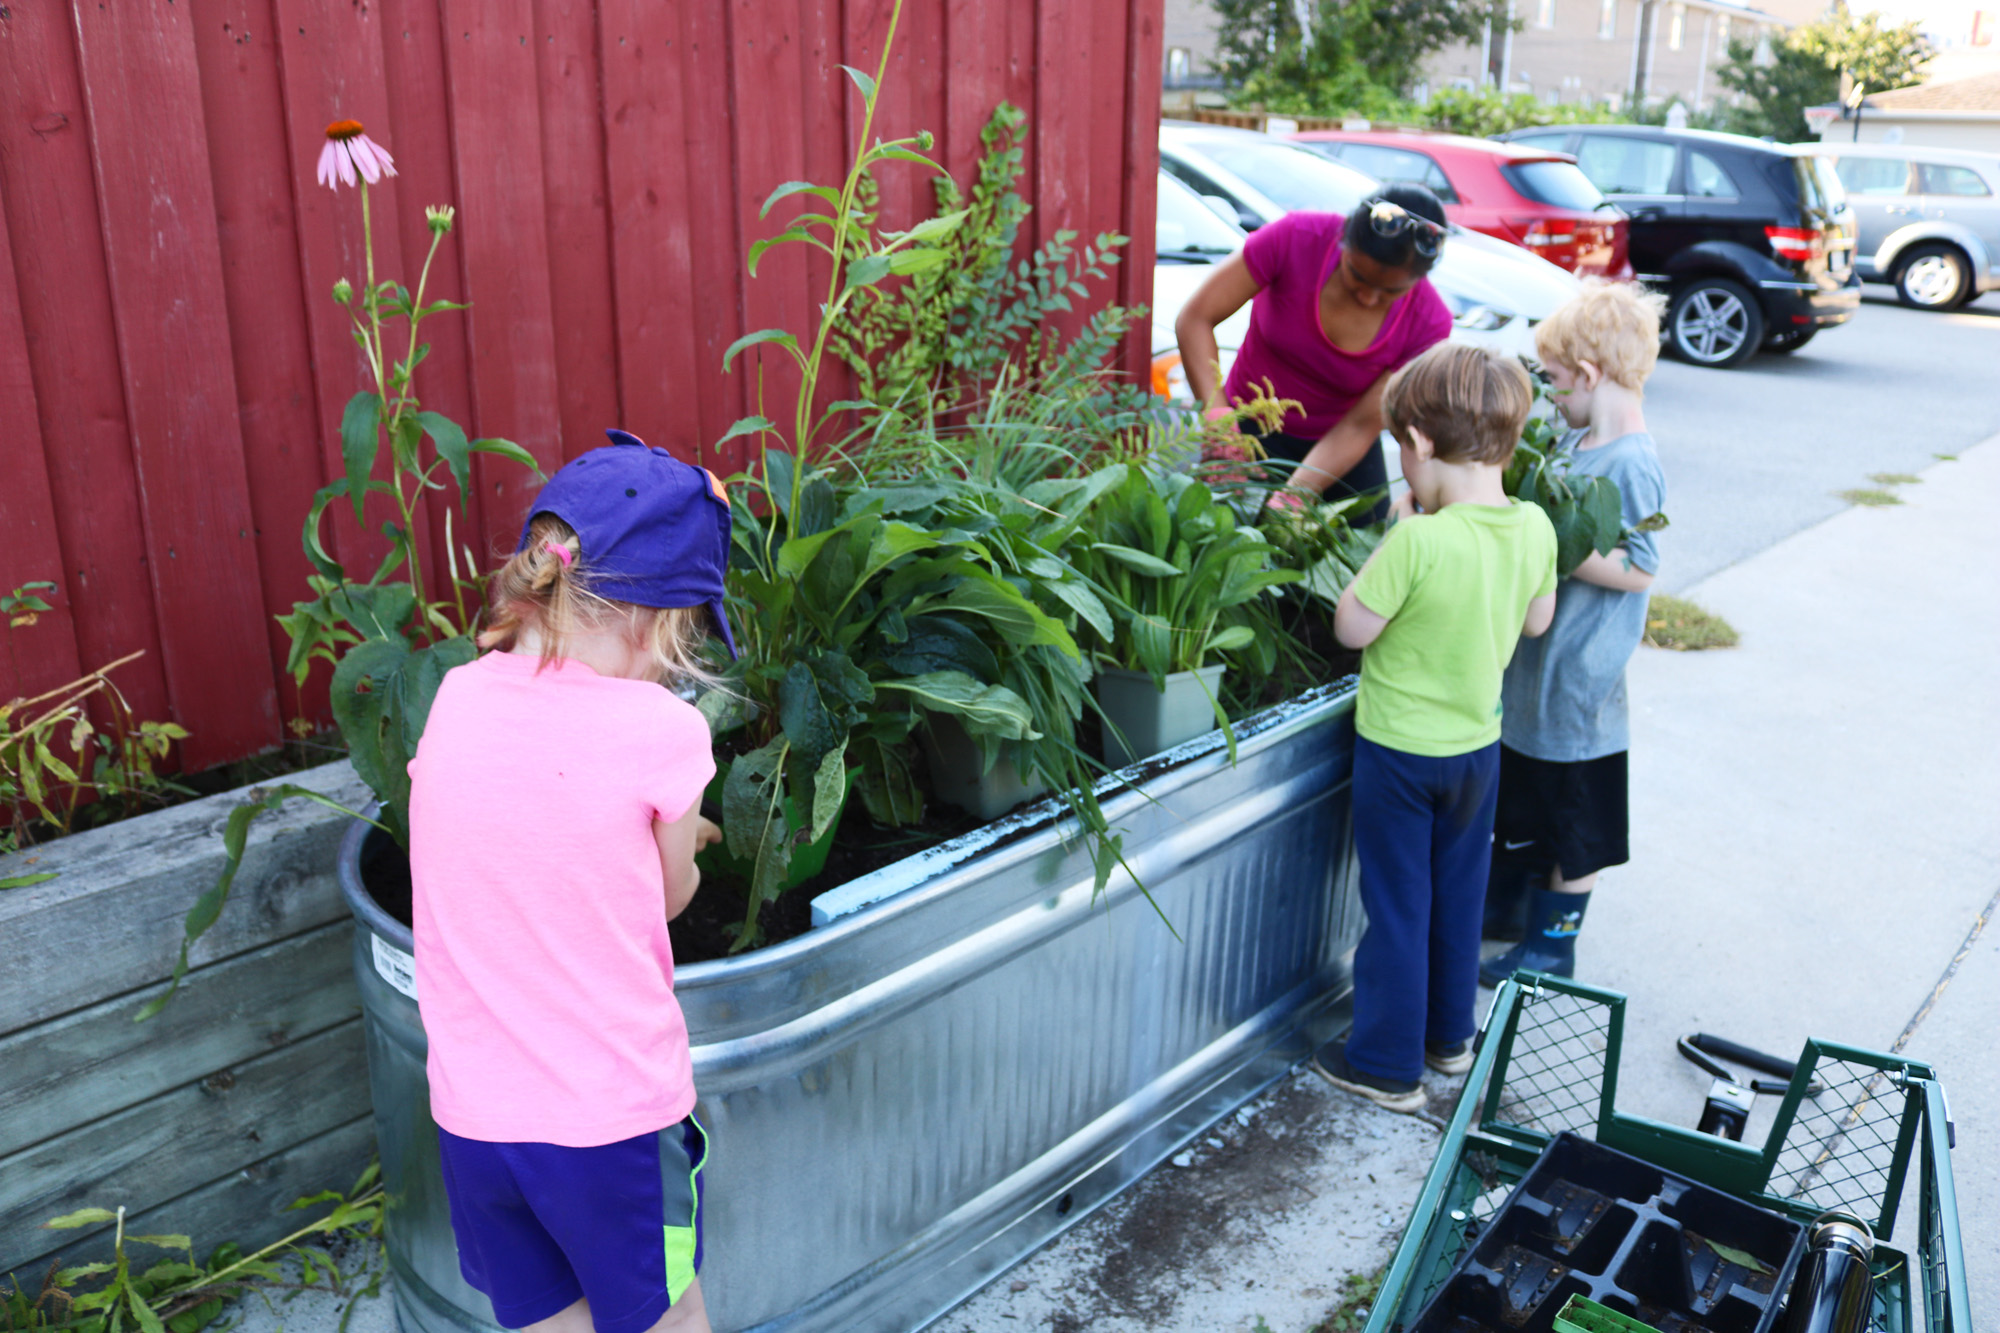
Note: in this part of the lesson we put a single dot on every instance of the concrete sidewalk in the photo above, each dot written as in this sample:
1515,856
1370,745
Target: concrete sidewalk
1816,821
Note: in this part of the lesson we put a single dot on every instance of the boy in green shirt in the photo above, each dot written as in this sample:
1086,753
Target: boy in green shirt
1436,611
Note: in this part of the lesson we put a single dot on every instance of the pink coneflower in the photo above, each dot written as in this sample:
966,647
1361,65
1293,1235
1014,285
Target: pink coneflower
348,151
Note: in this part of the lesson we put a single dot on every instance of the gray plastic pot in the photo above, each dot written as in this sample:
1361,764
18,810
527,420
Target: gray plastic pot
1144,720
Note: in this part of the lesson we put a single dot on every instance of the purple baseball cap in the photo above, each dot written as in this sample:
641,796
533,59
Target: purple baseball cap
654,530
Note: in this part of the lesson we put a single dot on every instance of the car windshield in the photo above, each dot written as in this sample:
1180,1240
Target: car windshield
1292,177
1187,226
1559,184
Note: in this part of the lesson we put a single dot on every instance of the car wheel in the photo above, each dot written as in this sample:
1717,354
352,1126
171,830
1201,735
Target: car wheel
1715,322
1788,340
1934,277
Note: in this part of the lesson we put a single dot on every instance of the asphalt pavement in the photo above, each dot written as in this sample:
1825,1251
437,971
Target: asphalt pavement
1755,455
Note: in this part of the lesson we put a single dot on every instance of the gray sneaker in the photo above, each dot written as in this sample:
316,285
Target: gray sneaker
1330,1063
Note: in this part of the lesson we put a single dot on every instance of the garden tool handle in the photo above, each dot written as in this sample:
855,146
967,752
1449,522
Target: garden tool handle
1725,1049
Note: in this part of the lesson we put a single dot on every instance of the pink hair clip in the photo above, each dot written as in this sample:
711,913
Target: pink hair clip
559,551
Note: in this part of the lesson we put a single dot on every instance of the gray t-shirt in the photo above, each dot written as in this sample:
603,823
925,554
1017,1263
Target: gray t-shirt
1563,698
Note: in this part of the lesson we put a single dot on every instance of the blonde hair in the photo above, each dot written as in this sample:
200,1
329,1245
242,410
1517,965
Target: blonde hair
1613,325
1470,401
538,590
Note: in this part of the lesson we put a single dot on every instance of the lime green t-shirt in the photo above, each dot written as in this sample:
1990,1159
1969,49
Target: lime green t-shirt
1454,587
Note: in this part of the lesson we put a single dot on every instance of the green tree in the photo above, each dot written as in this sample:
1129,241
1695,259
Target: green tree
1805,68
1362,55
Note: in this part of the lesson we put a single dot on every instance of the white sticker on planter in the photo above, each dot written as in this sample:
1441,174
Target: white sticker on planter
394,966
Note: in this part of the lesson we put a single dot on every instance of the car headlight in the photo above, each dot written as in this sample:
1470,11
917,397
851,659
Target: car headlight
1467,314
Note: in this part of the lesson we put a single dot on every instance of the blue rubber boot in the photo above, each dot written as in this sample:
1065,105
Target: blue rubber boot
1550,945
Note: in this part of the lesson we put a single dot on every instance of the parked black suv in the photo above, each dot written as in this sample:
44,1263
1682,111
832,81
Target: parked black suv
1752,241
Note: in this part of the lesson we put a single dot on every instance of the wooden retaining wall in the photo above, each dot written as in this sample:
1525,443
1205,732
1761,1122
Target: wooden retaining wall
248,1091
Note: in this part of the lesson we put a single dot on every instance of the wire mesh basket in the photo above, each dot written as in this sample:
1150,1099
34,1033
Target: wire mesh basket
1851,1123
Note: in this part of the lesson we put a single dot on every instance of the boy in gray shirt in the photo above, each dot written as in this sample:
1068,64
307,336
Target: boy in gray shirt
1562,814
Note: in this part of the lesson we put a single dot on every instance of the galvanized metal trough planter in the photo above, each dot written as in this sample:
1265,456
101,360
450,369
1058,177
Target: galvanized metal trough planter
970,1050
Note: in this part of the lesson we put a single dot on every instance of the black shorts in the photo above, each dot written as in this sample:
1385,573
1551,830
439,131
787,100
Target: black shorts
1370,473
1567,817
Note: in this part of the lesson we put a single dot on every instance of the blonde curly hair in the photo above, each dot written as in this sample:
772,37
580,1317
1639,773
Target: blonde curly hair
538,590
1613,325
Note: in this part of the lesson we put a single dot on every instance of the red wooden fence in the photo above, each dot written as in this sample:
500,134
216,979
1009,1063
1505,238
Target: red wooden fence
173,368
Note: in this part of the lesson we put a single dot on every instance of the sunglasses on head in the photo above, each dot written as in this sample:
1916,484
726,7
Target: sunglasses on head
1390,220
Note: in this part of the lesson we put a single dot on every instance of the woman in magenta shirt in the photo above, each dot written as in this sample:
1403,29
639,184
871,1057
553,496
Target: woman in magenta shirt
1336,308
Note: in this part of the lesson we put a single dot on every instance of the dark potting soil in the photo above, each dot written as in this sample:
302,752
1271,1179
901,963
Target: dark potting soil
712,921
710,924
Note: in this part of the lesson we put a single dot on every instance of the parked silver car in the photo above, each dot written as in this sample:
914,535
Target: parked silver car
1929,218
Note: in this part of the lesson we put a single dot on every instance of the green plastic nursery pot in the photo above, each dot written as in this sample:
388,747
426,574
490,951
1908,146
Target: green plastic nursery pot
1145,719
807,861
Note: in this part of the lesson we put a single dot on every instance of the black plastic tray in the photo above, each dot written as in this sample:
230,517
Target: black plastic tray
1590,1221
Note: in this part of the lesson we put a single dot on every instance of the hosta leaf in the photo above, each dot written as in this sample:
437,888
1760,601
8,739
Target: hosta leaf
988,710
1136,559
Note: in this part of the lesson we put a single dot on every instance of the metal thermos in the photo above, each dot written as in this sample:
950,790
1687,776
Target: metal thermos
1831,1292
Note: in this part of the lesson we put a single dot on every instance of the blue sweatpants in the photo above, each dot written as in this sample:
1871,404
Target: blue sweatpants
1423,829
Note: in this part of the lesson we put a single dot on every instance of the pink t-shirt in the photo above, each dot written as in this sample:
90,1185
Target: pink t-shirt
544,973
1292,259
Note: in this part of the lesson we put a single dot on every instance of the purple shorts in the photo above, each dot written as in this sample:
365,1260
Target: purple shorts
540,1226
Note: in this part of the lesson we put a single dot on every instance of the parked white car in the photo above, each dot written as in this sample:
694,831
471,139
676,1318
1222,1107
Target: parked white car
1929,218
1497,292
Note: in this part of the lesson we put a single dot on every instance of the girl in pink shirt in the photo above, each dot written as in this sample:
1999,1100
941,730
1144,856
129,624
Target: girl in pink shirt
554,817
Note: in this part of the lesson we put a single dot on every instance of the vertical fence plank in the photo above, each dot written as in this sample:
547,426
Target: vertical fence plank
330,54
711,212
413,75
656,305
40,656
142,83
767,72
578,224
277,401
497,146
1139,201
1065,72
50,195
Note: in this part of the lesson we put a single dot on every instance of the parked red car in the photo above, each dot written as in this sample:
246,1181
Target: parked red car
1533,197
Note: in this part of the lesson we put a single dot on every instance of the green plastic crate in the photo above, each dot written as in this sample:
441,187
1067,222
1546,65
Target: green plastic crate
1548,1061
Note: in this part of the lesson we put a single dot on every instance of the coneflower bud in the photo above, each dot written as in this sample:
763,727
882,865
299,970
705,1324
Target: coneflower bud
438,218
343,291
925,140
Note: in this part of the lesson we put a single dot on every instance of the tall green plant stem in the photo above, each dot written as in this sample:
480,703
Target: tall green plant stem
397,405
836,293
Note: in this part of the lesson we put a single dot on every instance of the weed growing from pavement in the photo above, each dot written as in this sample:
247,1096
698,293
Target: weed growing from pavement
1870,497
1894,478
1351,1315
1680,625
